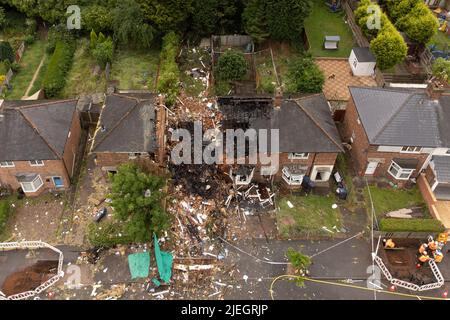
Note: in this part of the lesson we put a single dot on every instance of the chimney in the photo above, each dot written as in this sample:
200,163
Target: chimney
434,90
278,98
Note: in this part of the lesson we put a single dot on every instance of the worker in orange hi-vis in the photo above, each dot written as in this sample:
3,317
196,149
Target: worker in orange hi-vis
433,245
389,244
423,247
424,257
438,256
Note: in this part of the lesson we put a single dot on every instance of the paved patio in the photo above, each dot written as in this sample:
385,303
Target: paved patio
338,77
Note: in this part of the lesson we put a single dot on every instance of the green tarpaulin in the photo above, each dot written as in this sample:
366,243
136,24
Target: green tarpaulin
139,264
164,261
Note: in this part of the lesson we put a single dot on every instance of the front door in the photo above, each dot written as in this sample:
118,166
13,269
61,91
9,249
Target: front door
58,182
371,167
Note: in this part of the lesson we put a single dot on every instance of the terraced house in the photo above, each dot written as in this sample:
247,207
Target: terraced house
38,145
399,134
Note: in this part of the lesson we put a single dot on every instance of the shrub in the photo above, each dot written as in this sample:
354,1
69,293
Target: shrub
231,66
103,52
58,33
411,225
441,69
420,25
93,41
15,67
304,76
107,234
58,66
5,212
169,74
4,67
29,39
6,51
2,17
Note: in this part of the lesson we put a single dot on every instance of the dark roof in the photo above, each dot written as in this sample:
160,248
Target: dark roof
126,124
399,117
407,163
305,124
442,168
35,130
364,54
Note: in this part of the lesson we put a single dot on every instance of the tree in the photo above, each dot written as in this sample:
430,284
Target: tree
300,262
2,17
129,26
101,38
285,18
231,66
6,51
400,8
304,76
441,70
167,15
136,199
103,52
93,40
96,17
420,25
389,49
254,19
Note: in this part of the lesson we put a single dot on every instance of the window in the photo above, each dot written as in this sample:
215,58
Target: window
32,186
411,149
399,173
6,164
291,178
355,63
243,180
298,155
36,163
132,156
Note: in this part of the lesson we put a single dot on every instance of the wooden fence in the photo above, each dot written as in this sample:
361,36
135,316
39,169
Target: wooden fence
356,30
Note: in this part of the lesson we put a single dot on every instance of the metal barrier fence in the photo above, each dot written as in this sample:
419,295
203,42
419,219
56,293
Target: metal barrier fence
4,246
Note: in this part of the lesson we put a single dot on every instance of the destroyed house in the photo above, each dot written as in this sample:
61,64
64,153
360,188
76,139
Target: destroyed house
399,134
39,142
130,127
309,141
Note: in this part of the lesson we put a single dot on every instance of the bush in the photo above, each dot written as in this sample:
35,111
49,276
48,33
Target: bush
304,76
169,73
58,66
411,225
387,44
15,67
29,39
2,17
103,52
441,69
6,51
4,67
58,33
93,40
231,66
5,212
107,234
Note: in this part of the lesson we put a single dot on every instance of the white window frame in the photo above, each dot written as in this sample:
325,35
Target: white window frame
248,179
292,179
36,163
298,155
7,164
34,187
399,171
414,149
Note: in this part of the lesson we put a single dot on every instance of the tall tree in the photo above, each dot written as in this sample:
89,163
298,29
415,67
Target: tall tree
167,15
254,20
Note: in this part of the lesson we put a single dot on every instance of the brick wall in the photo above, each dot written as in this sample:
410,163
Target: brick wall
51,168
428,195
72,144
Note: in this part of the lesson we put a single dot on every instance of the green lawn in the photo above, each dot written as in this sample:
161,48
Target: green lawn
323,22
135,69
37,85
308,216
28,66
266,77
441,40
81,78
388,199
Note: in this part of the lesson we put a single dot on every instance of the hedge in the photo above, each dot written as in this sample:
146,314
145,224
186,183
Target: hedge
169,73
411,225
58,67
5,212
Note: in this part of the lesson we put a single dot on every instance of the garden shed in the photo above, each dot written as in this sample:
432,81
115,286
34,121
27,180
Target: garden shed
362,62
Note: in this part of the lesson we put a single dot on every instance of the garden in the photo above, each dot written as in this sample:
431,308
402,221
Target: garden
323,22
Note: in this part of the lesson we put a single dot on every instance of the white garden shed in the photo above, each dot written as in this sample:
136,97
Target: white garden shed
362,62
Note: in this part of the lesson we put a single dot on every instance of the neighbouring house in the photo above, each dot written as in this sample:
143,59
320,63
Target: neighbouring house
438,3
399,134
309,141
39,142
130,127
362,62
